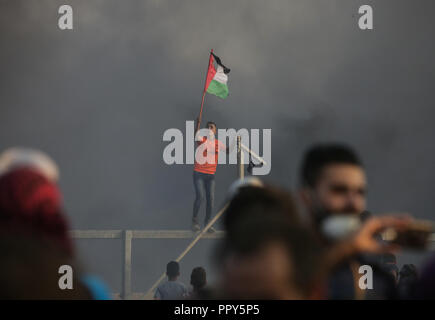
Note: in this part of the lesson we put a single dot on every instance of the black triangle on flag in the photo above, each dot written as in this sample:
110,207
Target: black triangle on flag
218,61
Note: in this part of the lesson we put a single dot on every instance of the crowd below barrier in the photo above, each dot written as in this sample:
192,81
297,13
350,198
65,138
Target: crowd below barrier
314,243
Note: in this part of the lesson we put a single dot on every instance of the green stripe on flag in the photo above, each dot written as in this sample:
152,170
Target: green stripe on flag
218,89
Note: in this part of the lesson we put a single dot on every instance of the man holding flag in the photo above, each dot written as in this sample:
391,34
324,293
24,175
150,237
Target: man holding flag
206,155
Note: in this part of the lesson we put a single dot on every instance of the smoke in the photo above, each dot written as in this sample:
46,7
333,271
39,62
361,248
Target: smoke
99,98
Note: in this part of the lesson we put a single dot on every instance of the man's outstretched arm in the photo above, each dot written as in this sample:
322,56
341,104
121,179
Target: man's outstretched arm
197,137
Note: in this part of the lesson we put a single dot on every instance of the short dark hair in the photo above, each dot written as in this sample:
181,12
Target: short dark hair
211,122
198,278
172,269
303,250
321,155
260,202
260,216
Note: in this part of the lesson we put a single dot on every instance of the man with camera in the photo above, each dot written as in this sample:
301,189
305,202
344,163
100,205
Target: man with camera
333,191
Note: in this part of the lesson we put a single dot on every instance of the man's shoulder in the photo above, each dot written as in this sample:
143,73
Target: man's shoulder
181,284
169,284
182,287
162,285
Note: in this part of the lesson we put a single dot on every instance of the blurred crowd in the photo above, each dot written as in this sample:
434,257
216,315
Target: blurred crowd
319,242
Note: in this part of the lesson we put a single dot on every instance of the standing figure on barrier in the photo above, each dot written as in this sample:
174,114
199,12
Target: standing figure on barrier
206,159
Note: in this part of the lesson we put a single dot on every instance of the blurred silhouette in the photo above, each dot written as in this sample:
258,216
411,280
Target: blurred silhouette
267,254
29,269
30,203
34,231
30,200
389,262
408,277
425,287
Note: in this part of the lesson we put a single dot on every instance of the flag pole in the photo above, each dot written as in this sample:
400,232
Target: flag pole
203,95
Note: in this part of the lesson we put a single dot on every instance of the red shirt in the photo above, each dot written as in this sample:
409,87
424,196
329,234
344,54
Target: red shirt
209,156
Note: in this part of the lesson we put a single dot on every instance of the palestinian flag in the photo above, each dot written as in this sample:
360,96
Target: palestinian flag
217,79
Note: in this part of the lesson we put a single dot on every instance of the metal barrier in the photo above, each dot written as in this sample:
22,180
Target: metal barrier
128,235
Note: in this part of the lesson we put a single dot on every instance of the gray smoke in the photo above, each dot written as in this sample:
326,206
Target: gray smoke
99,98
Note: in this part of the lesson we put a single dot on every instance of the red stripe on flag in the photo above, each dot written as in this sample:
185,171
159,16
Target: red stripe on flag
210,72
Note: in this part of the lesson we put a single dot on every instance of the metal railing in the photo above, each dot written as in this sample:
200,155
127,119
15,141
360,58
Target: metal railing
128,235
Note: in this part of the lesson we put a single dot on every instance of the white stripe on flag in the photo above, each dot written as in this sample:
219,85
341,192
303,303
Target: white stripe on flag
220,76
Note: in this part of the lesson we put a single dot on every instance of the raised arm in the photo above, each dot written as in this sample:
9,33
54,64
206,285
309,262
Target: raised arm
199,139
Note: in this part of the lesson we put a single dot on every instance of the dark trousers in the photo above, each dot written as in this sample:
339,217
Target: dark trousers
204,187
